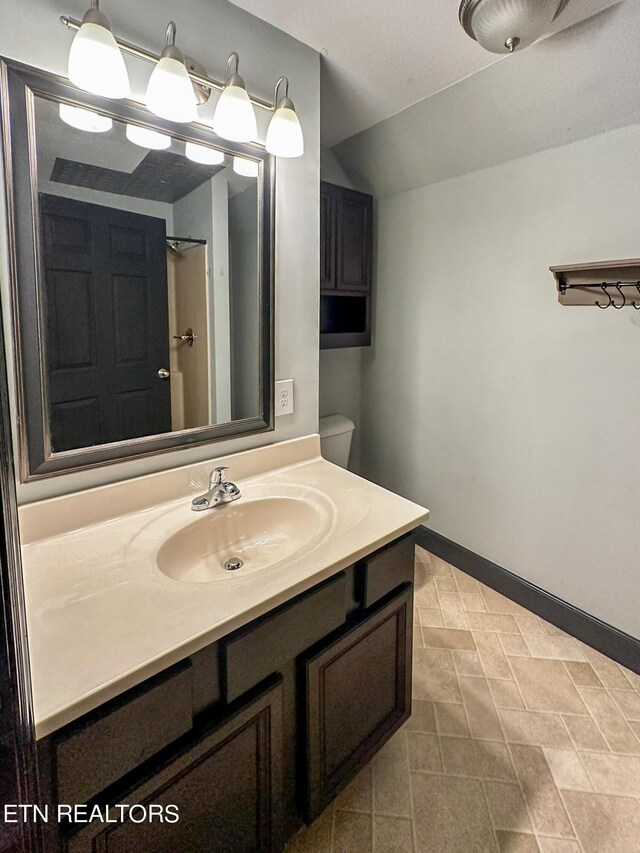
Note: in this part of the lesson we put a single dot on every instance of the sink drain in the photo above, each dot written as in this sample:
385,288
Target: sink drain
233,564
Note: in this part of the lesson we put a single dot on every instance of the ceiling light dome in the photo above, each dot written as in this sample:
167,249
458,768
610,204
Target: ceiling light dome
95,61
503,26
170,92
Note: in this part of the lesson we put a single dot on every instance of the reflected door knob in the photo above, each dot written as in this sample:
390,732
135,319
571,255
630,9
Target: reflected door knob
163,373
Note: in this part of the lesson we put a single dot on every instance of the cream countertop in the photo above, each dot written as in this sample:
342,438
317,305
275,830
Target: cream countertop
101,615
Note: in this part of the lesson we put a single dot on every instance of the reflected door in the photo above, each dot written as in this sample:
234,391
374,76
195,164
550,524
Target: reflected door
105,280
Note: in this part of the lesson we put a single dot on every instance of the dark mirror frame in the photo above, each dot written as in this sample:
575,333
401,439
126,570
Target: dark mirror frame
20,84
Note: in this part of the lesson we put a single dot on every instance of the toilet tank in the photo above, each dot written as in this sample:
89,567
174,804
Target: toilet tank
336,432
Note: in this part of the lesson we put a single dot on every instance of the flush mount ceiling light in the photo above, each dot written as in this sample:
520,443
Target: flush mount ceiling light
502,26
84,119
284,134
203,154
234,117
244,167
147,138
170,92
95,62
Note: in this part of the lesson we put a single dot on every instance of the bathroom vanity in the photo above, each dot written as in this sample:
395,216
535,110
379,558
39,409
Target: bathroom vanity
248,700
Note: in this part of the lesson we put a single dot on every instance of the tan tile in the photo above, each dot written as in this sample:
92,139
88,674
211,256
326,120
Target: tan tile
357,795
473,601
426,596
501,623
584,733
424,752
540,793
605,824
447,638
438,567
481,712
423,718
493,658
545,686
417,635
434,676
632,677
482,759
530,625
553,630
505,694
608,671
451,719
533,727
636,728
422,554
467,584
393,754
555,648
391,793
430,617
506,806
558,845
392,835
497,603
514,644
315,838
567,770
352,831
613,774
446,584
582,674
628,702
610,721
516,842
453,613
450,815
468,663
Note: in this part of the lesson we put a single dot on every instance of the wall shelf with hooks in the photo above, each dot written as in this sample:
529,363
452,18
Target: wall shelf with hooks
604,284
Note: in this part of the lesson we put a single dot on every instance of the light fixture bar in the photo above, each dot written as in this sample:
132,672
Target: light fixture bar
127,46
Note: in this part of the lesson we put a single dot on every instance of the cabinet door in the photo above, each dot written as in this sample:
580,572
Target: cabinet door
327,238
358,693
354,241
228,789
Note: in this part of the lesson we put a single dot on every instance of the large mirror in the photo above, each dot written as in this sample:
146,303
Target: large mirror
143,306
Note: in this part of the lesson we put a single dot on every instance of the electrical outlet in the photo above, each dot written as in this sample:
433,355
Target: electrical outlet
284,397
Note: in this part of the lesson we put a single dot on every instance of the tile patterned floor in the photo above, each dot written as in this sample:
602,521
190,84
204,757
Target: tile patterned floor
522,739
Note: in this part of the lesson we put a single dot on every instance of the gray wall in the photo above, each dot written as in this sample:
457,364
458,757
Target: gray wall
514,419
209,30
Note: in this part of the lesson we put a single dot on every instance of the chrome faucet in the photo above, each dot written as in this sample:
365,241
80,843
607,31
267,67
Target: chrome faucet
221,491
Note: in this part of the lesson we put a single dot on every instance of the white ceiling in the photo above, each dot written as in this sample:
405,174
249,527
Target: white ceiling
381,56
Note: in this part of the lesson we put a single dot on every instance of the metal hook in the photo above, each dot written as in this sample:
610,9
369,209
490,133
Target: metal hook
604,286
634,303
282,81
624,298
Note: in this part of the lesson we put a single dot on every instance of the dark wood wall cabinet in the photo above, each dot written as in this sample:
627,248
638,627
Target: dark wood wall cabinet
346,250
253,735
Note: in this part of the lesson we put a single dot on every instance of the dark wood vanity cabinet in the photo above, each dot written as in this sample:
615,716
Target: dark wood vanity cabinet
252,735
346,252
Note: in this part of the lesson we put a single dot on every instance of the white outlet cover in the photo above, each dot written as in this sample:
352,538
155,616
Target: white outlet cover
284,397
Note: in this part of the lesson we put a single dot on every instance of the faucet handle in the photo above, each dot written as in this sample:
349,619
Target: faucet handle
217,475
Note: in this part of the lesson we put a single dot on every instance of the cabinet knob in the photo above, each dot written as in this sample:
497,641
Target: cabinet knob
163,373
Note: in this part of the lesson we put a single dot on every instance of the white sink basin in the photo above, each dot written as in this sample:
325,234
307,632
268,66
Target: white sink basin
259,532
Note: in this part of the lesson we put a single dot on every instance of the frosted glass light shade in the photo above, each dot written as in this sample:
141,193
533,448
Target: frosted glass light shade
96,63
203,154
147,138
284,134
493,22
84,119
234,117
244,167
170,92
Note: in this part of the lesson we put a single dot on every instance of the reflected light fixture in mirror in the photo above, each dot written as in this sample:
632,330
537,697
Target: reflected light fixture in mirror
95,61
170,92
284,134
147,138
203,154
234,117
247,168
84,119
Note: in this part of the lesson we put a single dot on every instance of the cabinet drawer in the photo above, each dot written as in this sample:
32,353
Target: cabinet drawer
386,570
113,741
254,652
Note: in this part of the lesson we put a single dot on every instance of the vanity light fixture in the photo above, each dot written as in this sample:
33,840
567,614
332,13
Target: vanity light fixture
203,154
95,61
84,119
244,167
284,134
170,92
234,117
147,138
503,26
